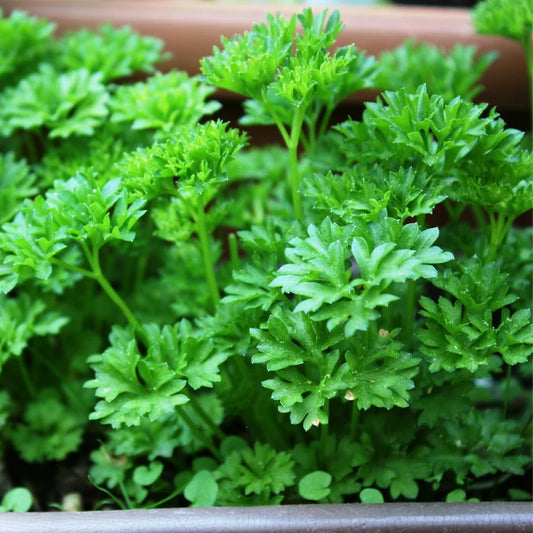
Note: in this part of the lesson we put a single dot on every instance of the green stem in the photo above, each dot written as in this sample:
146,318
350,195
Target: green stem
499,227
506,393
281,127
129,504
207,256
325,120
294,175
72,268
200,435
324,434
233,251
199,410
354,422
409,315
94,261
479,216
28,383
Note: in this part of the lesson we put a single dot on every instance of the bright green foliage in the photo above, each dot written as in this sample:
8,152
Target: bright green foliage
281,324
503,187
291,340
108,468
422,130
398,475
198,157
24,41
79,210
508,18
162,103
449,74
516,258
133,385
16,183
363,192
254,476
462,332
73,103
311,369
21,319
269,44
114,52
383,253
381,371
50,430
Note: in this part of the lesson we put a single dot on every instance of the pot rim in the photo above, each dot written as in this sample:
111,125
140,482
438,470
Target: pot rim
484,517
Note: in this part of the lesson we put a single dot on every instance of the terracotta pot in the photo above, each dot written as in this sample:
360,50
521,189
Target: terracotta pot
380,518
190,29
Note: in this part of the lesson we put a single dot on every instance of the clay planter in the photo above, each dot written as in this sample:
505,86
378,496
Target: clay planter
190,30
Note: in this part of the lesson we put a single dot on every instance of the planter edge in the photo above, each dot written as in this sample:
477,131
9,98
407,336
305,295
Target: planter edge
498,517
195,27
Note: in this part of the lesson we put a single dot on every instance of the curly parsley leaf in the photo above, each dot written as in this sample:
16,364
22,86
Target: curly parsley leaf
383,253
162,103
24,42
65,104
508,18
114,52
132,386
254,476
463,332
421,130
50,430
450,74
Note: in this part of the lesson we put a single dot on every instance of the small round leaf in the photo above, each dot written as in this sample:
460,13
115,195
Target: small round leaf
371,496
202,489
18,500
146,475
315,485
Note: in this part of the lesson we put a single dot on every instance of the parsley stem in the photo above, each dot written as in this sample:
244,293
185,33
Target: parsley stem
207,256
409,315
294,175
199,410
200,435
233,251
324,436
94,260
72,268
507,391
354,422
499,227
129,504
26,377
